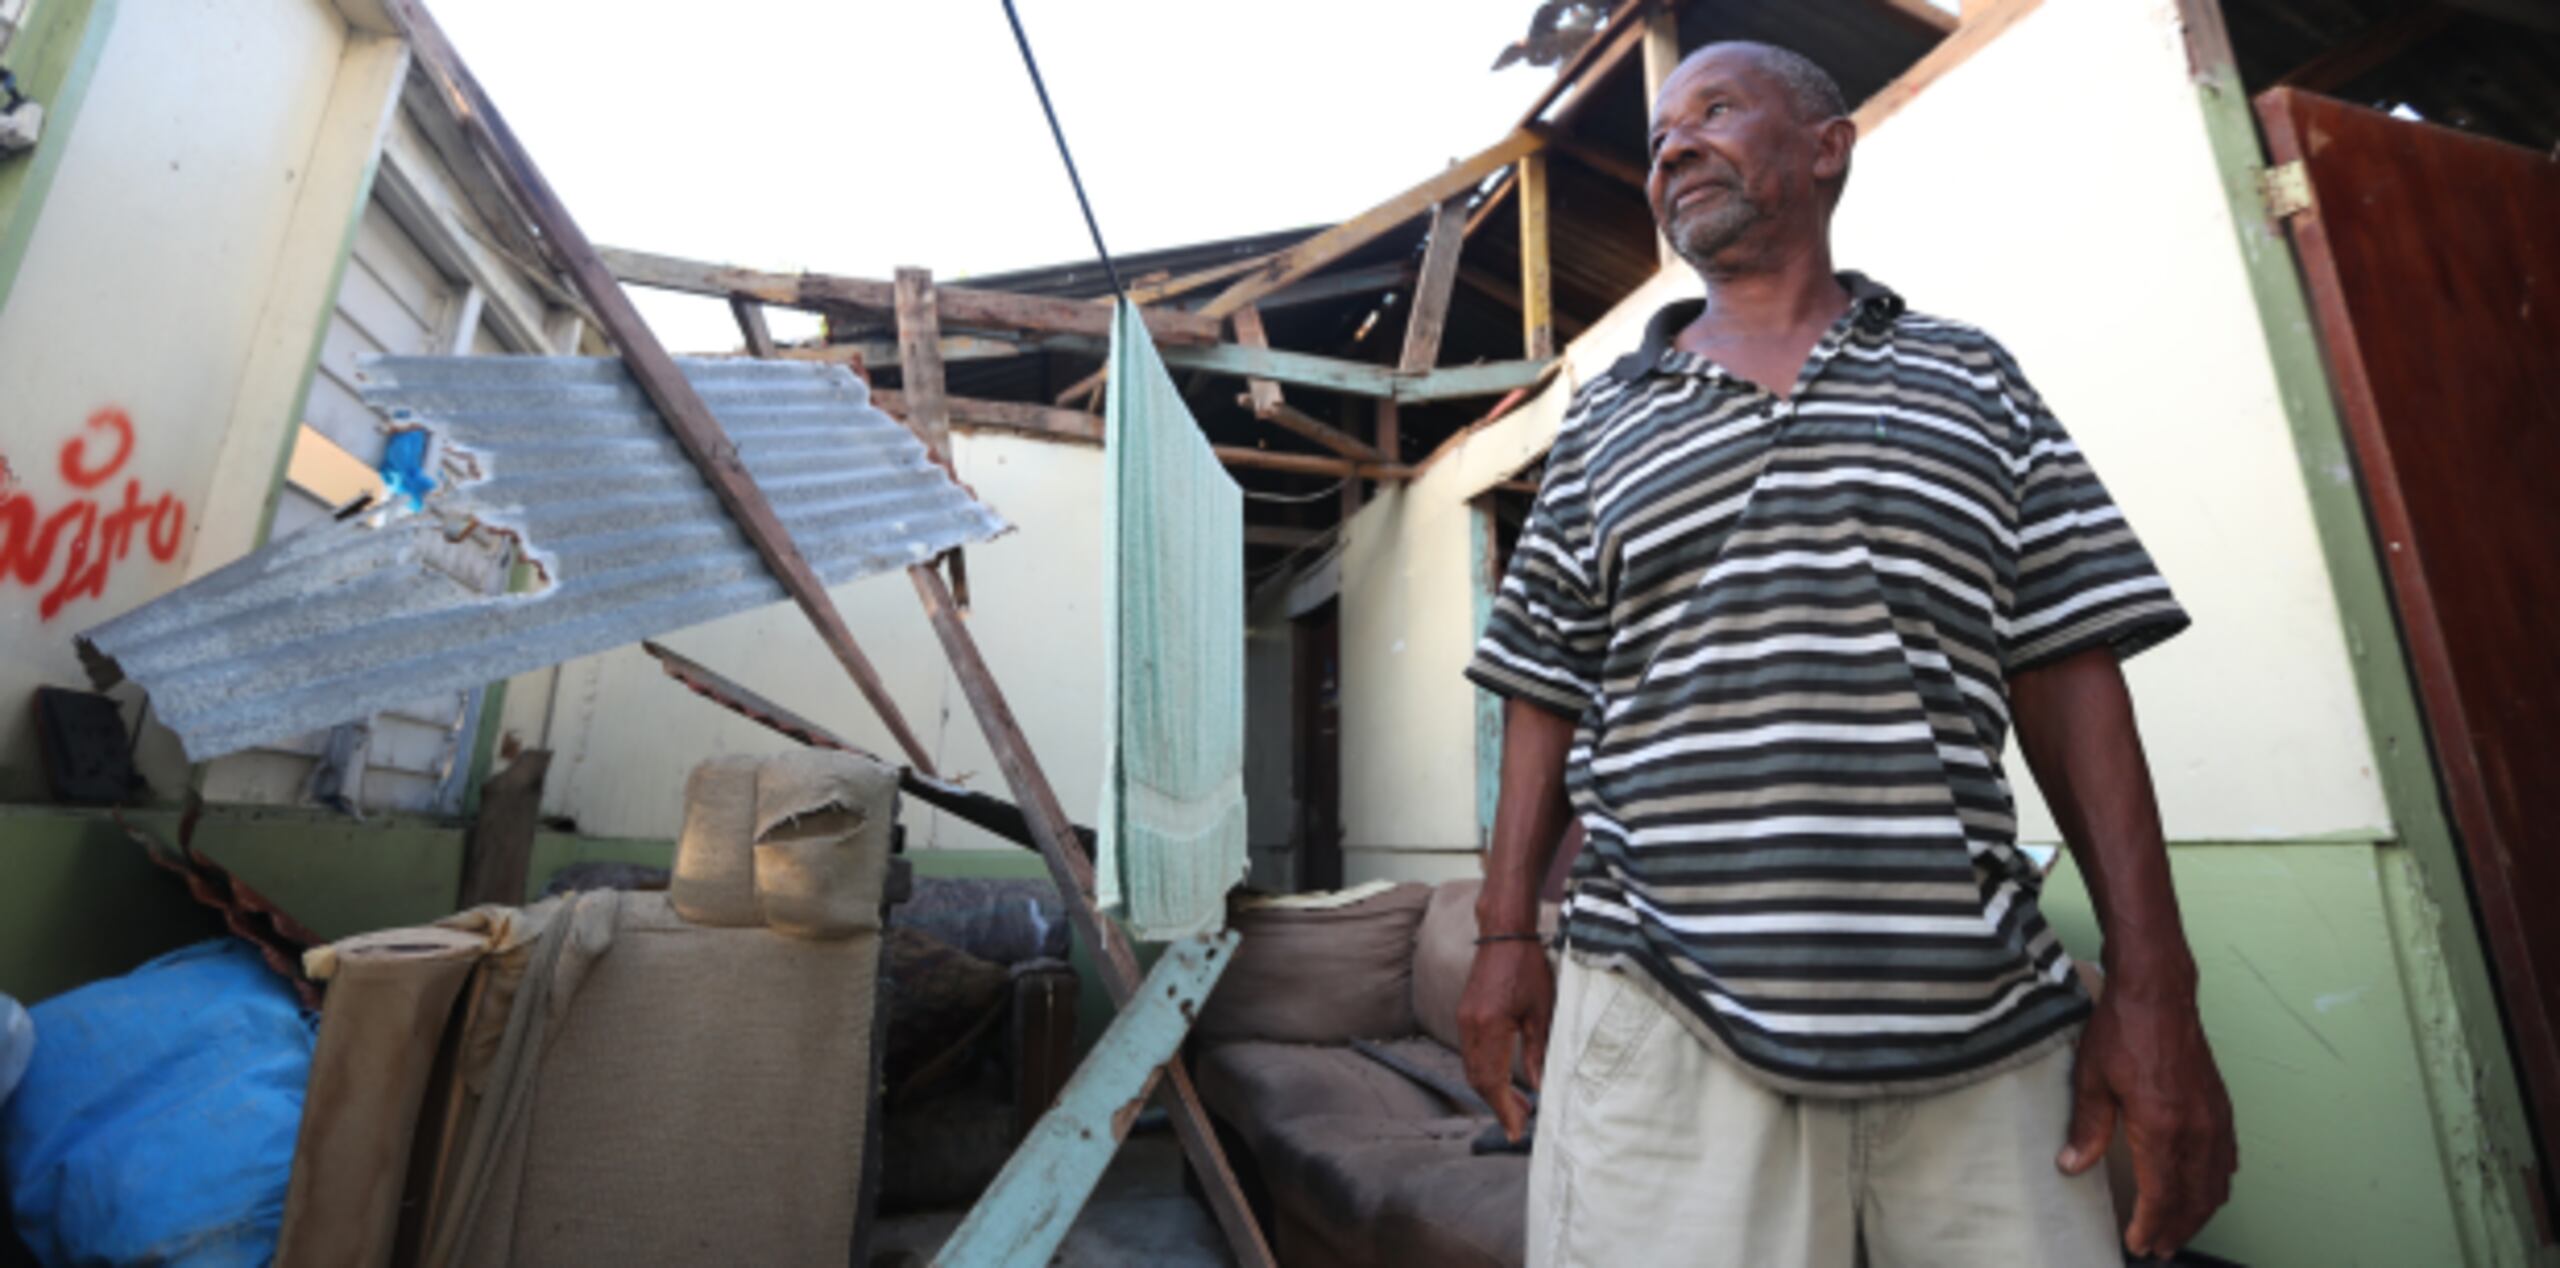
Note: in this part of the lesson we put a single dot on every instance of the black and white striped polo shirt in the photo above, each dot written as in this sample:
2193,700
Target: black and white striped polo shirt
1786,627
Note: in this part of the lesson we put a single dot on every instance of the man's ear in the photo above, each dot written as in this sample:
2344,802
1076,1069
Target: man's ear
1831,157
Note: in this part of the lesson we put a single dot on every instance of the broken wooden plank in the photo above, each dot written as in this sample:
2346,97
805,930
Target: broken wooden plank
1022,416
1429,318
1262,396
1291,418
1332,244
1285,536
688,420
1295,369
497,853
876,353
920,362
751,327
1537,271
1491,378
994,814
1309,463
1025,1212
1113,957
920,375
961,307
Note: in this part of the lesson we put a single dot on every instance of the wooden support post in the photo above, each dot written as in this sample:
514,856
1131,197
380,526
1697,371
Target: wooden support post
1537,287
1430,315
1390,435
1661,57
1262,395
1073,874
497,854
920,379
759,336
688,419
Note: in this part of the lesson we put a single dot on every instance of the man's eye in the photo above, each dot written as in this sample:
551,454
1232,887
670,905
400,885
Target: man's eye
1718,110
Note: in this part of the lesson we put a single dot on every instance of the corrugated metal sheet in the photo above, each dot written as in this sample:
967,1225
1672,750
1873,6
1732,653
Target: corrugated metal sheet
350,617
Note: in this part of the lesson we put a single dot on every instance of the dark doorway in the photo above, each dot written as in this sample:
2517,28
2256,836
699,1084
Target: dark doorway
1315,696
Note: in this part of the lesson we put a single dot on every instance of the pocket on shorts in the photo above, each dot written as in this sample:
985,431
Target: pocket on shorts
1627,1019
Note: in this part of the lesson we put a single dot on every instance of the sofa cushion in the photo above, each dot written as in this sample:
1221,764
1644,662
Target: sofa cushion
1398,1191
1320,974
1444,949
1256,1085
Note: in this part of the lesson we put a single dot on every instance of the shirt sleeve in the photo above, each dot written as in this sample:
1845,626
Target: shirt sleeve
1549,630
2083,578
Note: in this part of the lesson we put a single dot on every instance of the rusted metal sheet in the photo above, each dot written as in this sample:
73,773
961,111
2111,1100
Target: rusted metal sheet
566,458
1025,1213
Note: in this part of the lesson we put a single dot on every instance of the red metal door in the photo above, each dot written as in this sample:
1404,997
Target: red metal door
2433,262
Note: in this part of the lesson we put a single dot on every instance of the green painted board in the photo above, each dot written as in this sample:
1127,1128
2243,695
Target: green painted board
2303,1001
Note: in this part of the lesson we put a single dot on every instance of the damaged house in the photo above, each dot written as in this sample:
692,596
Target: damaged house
2285,267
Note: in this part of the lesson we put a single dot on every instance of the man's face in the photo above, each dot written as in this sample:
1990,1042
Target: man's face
1729,155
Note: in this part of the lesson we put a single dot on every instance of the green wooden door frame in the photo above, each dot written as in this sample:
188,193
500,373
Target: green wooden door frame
54,58
2482,1129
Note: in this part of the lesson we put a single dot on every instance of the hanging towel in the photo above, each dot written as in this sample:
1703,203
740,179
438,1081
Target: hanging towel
1172,830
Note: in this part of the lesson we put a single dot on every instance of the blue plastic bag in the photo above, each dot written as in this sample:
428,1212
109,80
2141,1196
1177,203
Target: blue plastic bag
156,1123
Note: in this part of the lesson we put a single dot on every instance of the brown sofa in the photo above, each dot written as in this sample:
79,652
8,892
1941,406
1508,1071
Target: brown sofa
1348,1161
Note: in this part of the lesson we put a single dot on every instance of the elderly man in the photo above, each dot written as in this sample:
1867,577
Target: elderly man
1796,565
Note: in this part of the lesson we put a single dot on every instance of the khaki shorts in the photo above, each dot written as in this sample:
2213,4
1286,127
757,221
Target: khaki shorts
1653,1150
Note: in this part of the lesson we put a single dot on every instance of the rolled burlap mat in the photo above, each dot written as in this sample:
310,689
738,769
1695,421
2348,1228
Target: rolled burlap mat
822,828
715,873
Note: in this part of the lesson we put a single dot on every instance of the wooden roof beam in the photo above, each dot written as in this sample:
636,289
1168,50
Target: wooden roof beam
961,307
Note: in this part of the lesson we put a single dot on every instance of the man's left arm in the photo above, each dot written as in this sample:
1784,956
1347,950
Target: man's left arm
2143,1060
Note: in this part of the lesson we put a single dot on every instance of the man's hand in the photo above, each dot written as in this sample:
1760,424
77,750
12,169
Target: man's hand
1509,1000
2143,1062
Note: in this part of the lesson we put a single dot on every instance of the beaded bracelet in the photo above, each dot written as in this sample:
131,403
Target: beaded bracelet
1490,938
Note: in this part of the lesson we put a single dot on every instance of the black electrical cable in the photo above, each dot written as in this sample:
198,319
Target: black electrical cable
1031,64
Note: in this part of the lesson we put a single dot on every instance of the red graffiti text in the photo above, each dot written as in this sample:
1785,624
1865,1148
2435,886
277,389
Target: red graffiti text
92,532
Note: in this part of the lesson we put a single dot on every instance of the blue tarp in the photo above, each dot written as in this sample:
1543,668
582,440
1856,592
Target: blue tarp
156,1123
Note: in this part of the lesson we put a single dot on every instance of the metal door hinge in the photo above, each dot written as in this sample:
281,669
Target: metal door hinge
2285,189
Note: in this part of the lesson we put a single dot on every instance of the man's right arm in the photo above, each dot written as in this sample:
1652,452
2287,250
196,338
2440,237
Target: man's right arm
1511,990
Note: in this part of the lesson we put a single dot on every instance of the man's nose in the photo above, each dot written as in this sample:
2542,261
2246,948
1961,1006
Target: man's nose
1677,148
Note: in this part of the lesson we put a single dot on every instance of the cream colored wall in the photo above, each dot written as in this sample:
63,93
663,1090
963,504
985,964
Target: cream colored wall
168,235
2097,245
624,735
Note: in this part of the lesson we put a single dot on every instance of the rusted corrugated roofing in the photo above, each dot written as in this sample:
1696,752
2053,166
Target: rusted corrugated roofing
565,456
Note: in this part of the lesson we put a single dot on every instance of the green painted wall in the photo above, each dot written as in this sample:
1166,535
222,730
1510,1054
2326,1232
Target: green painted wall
52,59
2310,1014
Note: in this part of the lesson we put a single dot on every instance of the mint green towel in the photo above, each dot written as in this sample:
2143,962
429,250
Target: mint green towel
1172,834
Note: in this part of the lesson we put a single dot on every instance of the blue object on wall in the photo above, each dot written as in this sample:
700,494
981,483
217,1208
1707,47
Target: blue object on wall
404,466
157,1121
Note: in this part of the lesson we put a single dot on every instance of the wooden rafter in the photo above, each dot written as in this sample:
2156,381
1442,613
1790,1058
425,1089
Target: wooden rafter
1332,244
1262,396
1592,156
1020,416
751,327
2349,59
961,307
1583,61
1290,418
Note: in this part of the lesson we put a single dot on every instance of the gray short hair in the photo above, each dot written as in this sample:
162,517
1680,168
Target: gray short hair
1811,89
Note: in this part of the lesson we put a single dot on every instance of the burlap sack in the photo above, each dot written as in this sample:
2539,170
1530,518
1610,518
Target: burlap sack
714,881
822,820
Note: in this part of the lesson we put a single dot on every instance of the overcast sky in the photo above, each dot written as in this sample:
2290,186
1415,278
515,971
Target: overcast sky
852,136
